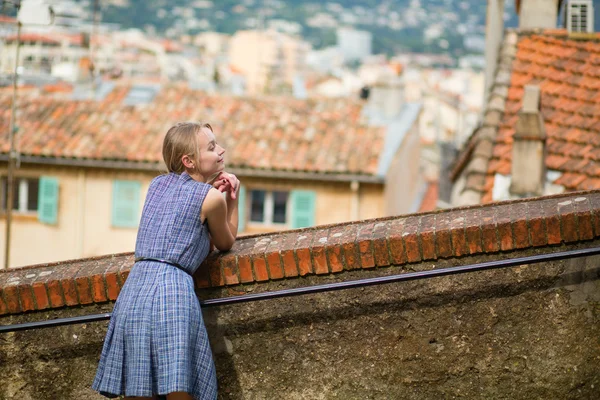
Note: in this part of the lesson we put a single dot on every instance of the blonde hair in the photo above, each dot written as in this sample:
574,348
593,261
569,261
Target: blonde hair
181,140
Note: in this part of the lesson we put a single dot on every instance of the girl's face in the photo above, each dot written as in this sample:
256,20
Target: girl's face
210,154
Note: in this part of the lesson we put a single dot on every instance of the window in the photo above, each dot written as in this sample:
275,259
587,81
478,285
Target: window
126,204
303,208
269,207
33,196
25,194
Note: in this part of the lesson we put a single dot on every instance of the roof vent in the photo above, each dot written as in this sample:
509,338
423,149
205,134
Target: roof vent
579,16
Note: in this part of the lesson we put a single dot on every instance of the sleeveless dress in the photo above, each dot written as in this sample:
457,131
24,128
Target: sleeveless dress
156,342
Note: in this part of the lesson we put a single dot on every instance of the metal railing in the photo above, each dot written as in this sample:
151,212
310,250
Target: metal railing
410,276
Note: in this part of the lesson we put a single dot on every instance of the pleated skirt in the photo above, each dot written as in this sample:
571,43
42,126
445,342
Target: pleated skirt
156,342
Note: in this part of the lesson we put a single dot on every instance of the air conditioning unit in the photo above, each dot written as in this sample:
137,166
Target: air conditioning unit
579,16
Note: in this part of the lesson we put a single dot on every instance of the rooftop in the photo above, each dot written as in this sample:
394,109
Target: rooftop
566,68
276,134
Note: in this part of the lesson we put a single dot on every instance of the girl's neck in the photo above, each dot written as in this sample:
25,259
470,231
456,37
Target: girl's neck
197,176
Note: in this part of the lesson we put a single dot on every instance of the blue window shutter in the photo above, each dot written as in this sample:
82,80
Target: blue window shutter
303,208
242,209
126,204
48,200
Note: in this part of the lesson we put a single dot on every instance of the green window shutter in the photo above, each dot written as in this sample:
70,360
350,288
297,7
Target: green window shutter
242,209
48,200
303,208
126,204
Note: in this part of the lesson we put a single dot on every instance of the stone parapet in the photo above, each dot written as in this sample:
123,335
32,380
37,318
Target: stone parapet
332,249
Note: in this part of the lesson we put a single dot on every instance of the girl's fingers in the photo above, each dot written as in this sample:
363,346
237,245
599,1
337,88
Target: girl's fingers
231,178
225,182
234,181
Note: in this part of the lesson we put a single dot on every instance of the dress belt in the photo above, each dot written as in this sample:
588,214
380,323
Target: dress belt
162,261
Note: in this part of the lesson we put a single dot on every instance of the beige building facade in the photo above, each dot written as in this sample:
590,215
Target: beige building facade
87,209
268,59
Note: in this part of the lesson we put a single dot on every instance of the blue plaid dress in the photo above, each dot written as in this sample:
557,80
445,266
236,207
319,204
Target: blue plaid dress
156,341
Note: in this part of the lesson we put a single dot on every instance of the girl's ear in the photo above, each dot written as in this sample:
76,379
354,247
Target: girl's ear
187,162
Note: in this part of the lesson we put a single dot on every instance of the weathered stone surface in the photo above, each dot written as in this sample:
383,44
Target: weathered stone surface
522,333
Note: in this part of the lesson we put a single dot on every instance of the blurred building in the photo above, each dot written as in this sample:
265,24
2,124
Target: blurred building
212,44
73,55
354,44
39,52
270,60
8,26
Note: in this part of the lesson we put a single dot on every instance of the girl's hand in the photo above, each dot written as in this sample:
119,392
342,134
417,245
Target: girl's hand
226,182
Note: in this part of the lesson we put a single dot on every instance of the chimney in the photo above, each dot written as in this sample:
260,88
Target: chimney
578,16
85,69
386,99
537,13
529,147
494,33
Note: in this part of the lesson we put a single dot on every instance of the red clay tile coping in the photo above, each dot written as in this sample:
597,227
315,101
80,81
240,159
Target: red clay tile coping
493,228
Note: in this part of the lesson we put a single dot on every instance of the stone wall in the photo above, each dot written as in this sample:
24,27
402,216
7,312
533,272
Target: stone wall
525,332
520,333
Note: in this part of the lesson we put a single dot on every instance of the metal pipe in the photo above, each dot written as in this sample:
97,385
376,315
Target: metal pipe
12,156
503,263
355,202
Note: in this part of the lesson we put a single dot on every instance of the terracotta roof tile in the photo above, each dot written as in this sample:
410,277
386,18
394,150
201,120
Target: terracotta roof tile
487,196
494,166
4,19
567,71
271,133
570,179
33,37
590,183
429,202
489,183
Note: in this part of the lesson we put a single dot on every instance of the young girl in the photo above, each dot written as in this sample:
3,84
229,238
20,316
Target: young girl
156,343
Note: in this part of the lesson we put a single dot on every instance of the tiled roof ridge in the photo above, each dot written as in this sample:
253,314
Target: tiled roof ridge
477,152
562,33
125,85
518,225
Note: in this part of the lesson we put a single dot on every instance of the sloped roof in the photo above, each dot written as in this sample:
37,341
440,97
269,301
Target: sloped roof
4,19
33,37
567,70
282,134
